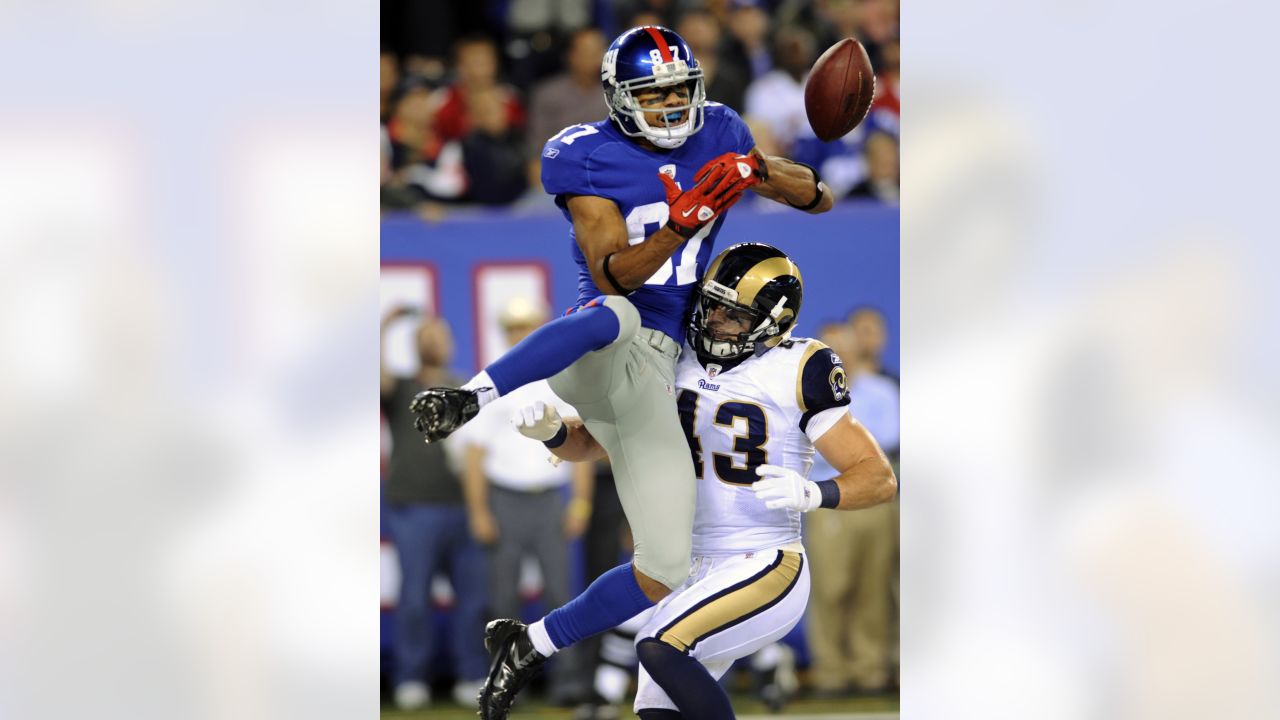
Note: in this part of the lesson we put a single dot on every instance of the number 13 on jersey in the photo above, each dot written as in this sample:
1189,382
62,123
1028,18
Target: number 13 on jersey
750,432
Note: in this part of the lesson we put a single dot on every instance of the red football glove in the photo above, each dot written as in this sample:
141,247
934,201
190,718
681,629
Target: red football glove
718,185
753,161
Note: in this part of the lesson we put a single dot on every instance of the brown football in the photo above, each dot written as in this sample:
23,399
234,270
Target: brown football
839,90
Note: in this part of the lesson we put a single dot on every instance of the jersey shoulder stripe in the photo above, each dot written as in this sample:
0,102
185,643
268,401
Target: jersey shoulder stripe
808,347
821,382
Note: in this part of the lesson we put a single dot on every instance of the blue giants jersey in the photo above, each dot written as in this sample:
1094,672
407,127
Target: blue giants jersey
597,159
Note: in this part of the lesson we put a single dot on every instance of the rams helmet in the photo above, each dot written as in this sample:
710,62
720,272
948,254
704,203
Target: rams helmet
652,57
753,282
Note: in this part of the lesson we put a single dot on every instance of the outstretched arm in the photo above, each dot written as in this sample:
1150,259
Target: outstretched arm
793,184
865,478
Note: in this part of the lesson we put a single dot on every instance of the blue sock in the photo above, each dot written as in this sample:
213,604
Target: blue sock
554,347
611,600
685,680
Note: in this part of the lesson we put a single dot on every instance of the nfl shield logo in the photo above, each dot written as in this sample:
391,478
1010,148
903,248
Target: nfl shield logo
713,370
668,170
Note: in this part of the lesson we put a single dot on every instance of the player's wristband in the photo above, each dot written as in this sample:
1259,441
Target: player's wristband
558,439
764,165
613,280
817,190
830,494
684,232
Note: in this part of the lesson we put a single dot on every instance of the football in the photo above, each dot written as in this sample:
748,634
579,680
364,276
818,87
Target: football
839,90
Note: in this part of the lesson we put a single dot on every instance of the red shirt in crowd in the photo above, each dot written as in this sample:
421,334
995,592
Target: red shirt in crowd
887,94
452,121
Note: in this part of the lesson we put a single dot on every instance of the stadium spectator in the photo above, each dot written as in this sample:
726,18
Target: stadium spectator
873,22
869,383
887,105
604,541
725,82
748,46
777,97
871,380
421,33
492,152
417,164
642,18
526,17
877,24
836,20
388,78
574,96
881,183
428,524
651,12
515,503
476,65
853,555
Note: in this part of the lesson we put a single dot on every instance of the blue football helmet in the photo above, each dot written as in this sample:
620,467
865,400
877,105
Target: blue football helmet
652,57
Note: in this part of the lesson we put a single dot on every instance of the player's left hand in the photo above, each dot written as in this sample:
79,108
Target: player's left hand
743,171
747,170
717,186
779,487
539,421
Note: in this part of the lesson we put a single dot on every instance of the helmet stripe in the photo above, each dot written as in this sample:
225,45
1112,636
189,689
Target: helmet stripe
662,43
763,273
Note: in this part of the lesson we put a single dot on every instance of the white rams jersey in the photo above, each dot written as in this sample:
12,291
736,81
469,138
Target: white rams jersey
767,410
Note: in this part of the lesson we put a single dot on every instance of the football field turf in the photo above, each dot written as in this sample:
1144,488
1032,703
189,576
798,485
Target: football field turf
871,708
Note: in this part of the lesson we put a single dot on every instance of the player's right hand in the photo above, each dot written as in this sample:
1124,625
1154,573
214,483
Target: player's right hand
717,186
539,421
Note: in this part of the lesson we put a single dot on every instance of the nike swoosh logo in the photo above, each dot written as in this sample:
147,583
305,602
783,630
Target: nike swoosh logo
686,213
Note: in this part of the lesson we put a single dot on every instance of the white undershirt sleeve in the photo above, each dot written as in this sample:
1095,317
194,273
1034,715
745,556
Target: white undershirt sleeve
822,422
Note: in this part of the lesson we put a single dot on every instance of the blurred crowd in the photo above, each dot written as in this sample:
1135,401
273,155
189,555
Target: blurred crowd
486,510
470,92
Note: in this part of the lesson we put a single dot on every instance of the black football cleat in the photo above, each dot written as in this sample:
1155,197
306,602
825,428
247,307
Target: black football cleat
514,661
442,410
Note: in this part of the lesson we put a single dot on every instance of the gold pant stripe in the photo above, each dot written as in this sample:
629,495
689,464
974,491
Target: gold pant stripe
734,604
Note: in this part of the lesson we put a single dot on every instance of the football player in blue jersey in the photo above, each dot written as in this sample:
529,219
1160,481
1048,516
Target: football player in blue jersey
641,244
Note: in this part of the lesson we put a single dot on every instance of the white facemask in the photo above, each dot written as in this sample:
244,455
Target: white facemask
666,137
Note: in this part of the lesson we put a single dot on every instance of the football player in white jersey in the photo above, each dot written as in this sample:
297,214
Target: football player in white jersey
755,404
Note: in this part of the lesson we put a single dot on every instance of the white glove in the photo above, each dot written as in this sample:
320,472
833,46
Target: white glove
783,488
539,421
